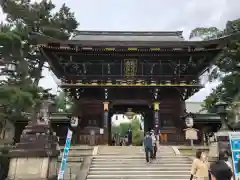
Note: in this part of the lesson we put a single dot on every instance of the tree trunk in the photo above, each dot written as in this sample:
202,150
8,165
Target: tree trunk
39,72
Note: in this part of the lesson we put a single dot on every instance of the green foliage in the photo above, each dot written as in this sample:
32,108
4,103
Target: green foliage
20,92
63,103
122,128
226,67
205,33
137,133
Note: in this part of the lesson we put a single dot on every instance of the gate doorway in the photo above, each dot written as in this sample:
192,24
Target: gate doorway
130,112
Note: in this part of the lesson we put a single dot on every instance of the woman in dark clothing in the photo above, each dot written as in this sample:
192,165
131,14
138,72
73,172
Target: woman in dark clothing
220,171
223,156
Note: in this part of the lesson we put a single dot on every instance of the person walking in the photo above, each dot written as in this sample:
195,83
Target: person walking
154,142
223,156
199,169
148,147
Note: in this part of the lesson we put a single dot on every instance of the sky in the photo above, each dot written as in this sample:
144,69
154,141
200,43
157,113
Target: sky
149,15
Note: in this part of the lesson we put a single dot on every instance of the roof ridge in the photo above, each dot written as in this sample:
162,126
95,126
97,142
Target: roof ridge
125,33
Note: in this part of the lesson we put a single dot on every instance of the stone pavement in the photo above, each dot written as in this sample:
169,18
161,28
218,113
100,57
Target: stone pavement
124,163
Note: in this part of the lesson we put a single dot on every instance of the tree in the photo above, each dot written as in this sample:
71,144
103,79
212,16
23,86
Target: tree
63,103
137,133
15,94
20,91
226,68
122,129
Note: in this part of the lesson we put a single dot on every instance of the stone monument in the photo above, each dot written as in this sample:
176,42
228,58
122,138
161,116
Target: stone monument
35,157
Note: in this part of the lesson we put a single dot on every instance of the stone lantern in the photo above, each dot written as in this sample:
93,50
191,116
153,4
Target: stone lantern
38,150
222,135
221,111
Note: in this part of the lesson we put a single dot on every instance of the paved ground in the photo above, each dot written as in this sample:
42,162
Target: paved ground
128,163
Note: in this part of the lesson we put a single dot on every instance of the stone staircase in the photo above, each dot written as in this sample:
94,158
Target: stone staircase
128,163
75,159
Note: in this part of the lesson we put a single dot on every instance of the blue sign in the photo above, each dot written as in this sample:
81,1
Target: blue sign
234,138
65,155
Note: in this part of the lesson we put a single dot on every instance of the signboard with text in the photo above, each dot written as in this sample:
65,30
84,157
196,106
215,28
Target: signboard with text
191,133
65,155
234,138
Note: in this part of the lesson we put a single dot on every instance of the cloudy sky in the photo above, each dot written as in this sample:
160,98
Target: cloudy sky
149,15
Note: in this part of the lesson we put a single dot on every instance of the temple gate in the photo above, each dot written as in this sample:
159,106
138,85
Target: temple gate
152,73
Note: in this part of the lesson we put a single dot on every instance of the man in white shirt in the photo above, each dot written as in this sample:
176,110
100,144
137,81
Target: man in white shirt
154,143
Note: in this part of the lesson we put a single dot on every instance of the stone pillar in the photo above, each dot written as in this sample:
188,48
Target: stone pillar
105,121
35,157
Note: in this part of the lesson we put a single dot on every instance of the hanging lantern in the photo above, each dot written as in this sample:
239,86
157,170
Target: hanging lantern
11,67
189,121
74,121
130,114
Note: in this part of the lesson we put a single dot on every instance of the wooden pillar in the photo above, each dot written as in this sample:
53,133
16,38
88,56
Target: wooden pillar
156,116
105,120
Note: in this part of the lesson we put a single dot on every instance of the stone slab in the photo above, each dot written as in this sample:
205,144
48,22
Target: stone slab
142,179
134,176
141,168
137,173
32,168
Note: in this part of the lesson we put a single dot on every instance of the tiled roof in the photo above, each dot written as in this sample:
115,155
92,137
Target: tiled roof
128,36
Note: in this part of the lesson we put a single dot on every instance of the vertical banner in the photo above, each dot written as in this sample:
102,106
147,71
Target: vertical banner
234,138
65,155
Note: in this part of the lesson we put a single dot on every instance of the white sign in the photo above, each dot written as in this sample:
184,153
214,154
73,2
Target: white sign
191,133
234,138
101,131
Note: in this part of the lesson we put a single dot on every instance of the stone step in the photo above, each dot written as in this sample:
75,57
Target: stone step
143,179
136,152
142,165
115,163
139,176
138,157
78,154
137,173
72,159
128,163
141,168
82,147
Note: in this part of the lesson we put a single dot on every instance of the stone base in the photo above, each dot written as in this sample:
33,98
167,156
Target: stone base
39,168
